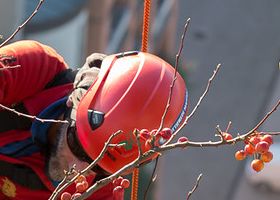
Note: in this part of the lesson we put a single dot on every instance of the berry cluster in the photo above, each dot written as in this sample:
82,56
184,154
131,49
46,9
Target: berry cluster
81,186
160,137
257,146
119,185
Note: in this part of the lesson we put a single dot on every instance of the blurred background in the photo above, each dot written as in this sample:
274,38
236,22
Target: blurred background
242,35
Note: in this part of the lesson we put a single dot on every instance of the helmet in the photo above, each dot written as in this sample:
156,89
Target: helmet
131,91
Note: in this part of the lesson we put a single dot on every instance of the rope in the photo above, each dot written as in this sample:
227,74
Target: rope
144,48
146,23
135,182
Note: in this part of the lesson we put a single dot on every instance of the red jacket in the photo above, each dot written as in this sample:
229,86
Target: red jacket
26,84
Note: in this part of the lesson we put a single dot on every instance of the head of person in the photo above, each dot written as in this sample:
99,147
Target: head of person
130,91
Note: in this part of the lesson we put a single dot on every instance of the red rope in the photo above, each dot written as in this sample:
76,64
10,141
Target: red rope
146,23
144,48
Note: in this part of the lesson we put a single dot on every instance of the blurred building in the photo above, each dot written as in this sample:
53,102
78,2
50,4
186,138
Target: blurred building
77,28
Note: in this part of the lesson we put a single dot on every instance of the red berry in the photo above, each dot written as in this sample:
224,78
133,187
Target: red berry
165,133
80,179
182,139
153,132
254,140
249,149
81,187
262,147
144,131
267,138
240,155
257,165
148,144
117,181
118,193
65,196
125,183
267,157
76,195
227,136
145,134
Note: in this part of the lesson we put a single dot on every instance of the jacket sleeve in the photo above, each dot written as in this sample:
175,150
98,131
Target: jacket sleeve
38,64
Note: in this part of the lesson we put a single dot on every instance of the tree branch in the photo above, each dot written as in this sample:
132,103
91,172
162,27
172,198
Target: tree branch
23,24
100,156
197,104
195,186
31,116
175,73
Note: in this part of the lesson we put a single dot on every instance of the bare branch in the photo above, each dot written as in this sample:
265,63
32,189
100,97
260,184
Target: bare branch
220,133
100,156
195,186
10,67
265,118
175,74
152,179
31,116
149,154
228,126
136,133
23,24
197,104
269,133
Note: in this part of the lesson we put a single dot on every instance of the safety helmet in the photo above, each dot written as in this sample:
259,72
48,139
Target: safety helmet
130,92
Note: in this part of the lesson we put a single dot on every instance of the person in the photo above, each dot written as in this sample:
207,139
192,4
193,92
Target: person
32,160
124,91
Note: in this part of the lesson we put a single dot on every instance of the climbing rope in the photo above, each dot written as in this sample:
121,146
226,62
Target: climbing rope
144,48
146,23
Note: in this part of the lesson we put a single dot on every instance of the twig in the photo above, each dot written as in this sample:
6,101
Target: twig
228,126
152,179
10,67
136,133
31,116
197,104
127,168
270,133
195,186
265,118
100,156
220,133
221,141
23,24
175,73
148,155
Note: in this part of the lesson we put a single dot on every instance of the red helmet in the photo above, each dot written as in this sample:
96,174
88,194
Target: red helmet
131,91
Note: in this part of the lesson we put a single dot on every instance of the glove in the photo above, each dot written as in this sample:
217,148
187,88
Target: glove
85,77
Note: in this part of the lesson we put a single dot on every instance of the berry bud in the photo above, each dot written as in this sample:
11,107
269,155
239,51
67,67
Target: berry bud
165,133
118,193
262,147
254,140
240,155
125,183
267,157
117,181
267,138
182,139
145,134
227,136
249,149
65,196
76,195
257,165
80,179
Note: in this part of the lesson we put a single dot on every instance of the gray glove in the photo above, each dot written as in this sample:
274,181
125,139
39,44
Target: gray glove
85,77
